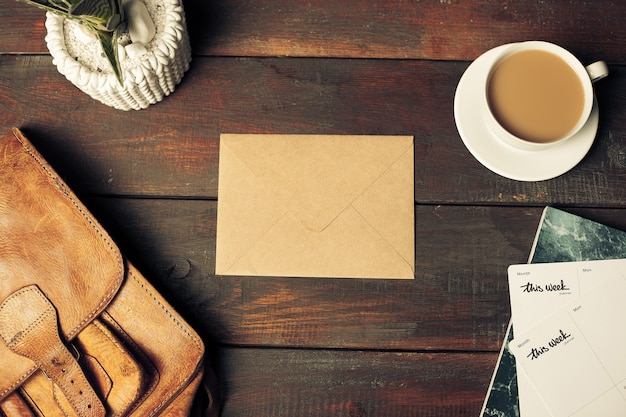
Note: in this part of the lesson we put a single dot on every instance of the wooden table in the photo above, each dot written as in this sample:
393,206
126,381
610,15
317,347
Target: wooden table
327,347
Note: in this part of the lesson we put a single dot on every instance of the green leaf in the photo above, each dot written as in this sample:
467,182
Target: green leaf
46,5
103,17
109,46
61,4
97,12
113,23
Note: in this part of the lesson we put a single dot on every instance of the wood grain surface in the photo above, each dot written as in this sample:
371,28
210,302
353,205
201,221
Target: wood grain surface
327,347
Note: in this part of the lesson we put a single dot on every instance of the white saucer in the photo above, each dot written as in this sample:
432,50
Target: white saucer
501,158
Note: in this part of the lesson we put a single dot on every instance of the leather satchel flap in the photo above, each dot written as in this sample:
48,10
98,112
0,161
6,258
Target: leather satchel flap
49,239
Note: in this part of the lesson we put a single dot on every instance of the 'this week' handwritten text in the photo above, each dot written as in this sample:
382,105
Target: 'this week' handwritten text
529,287
536,352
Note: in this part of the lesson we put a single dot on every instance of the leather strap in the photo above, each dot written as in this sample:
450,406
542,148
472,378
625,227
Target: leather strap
28,327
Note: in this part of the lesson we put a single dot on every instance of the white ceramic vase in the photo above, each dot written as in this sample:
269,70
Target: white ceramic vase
148,76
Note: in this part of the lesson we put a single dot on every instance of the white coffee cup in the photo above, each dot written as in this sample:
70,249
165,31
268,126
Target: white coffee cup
586,75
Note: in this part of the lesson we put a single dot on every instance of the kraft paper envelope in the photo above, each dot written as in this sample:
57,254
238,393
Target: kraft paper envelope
316,206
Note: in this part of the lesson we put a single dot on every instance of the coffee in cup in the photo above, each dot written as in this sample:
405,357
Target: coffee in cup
538,94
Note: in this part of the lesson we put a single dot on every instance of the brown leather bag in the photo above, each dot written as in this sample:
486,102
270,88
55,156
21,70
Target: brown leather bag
82,333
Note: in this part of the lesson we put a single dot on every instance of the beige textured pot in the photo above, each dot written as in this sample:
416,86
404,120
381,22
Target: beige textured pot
150,72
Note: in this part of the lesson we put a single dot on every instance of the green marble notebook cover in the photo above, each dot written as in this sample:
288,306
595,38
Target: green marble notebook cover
561,237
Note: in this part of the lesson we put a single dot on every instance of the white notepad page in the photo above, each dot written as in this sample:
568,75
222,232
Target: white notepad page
569,335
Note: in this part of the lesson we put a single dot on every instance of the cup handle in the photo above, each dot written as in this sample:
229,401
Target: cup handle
597,71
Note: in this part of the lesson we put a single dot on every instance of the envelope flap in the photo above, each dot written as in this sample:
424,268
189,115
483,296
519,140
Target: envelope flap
49,239
317,176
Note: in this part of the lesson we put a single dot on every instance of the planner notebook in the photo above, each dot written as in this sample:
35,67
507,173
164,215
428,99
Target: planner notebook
560,237
569,342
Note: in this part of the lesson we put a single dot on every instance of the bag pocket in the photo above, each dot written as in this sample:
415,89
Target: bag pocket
117,377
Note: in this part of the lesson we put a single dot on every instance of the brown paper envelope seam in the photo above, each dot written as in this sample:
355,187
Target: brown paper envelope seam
83,333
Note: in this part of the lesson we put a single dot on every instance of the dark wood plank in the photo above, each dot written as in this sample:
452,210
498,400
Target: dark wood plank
22,30
458,300
165,151
273,383
432,29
